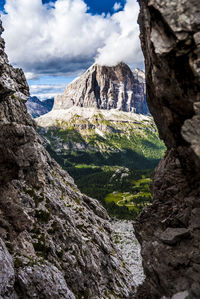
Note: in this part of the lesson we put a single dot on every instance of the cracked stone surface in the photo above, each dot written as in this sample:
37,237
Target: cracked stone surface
169,230
59,241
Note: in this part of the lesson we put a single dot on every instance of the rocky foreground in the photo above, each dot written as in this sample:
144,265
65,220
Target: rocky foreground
129,246
43,216
54,241
169,230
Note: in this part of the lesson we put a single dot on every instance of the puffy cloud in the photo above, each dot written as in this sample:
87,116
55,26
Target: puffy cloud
117,6
63,38
31,76
123,44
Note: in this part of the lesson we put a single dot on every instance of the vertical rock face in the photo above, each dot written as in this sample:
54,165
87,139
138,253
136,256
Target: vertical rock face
139,92
7,272
107,88
169,230
59,240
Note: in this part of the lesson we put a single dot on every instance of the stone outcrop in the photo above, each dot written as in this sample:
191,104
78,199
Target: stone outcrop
59,241
7,272
107,88
139,92
37,108
169,230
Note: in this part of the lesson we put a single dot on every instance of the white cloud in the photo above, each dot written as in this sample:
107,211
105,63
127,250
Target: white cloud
123,44
117,6
62,38
30,76
46,90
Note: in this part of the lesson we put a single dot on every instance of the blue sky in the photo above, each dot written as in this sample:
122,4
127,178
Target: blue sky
99,6
95,7
105,6
55,43
2,4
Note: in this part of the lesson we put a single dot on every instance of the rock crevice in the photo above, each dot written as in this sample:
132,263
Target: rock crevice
169,229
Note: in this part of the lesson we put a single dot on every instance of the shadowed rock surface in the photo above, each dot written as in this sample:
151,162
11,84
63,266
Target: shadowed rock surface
59,241
37,108
105,87
169,230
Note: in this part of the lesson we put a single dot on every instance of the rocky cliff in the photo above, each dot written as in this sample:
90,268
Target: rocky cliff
54,241
37,108
169,230
108,88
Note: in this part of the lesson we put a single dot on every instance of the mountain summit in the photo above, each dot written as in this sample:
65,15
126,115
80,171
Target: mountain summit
105,87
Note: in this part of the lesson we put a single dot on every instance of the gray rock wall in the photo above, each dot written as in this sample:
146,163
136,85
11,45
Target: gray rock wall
169,230
59,241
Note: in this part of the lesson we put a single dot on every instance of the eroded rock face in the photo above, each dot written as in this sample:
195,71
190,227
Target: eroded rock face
59,240
107,88
169,230
7,277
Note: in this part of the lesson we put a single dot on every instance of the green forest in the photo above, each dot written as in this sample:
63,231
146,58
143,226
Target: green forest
116,167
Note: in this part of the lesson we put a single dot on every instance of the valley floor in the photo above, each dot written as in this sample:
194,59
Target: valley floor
109,153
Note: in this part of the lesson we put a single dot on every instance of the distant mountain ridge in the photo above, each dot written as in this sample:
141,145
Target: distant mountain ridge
105,87
37,108
94,133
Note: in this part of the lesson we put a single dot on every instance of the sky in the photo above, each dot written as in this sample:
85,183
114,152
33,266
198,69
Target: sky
56,40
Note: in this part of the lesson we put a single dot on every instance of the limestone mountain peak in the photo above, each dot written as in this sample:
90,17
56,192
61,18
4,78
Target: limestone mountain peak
105,87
